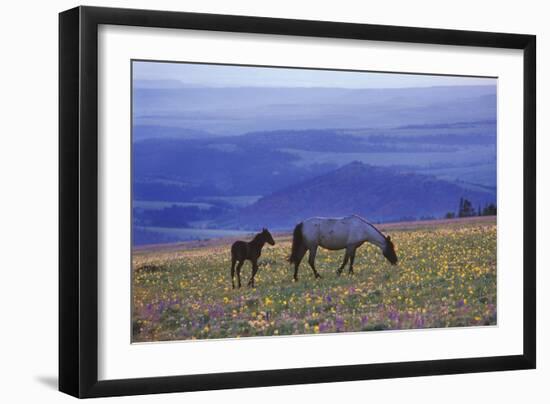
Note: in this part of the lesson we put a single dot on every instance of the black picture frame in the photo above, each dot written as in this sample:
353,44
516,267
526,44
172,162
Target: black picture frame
78,201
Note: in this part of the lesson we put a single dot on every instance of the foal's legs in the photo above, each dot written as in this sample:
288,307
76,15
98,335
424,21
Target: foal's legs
312,254
233,262
239,266
254,270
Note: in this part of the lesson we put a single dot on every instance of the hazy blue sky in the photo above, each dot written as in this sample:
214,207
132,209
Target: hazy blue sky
239,76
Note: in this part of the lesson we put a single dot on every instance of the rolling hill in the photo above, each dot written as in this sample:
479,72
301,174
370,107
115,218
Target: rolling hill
379,194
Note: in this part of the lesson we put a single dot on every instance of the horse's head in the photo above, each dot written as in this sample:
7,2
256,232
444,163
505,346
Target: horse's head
389,251
268,237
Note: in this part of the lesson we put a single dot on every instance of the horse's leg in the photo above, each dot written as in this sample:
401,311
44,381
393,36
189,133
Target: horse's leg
239,266
351,252
233,262
351,259
297,263
312,254
254,270
346,258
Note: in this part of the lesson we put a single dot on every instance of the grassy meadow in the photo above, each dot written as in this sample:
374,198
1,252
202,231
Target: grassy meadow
446,277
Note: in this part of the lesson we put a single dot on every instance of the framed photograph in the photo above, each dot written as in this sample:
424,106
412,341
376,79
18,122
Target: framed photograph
251,201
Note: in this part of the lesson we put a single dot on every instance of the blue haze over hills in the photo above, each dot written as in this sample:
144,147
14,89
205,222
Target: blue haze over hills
234,111
211,160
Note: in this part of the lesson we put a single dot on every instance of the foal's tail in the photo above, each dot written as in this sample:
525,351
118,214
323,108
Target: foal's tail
297,243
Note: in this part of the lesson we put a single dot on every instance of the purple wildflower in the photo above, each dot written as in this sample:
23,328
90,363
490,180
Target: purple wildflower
216,311
339,322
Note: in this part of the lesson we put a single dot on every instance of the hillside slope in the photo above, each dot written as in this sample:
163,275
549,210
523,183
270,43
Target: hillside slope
380,194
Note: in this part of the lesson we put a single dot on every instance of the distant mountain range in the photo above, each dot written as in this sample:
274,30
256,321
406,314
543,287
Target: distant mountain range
373,192
236,110
239,158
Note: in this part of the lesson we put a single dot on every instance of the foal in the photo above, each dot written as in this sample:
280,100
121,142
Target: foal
242,251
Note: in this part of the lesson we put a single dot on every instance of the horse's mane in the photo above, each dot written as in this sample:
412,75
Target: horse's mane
368,223
257,237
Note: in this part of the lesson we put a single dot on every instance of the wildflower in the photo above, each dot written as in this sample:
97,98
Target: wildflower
339,323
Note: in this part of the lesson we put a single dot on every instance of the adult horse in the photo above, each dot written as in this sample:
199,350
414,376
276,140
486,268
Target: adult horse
336,234
242,251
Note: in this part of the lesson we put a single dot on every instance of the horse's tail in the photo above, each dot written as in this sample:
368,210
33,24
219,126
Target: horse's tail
297,243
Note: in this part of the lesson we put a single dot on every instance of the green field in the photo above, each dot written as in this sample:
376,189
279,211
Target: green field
446,277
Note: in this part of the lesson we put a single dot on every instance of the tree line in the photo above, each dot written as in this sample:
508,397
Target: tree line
467,209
